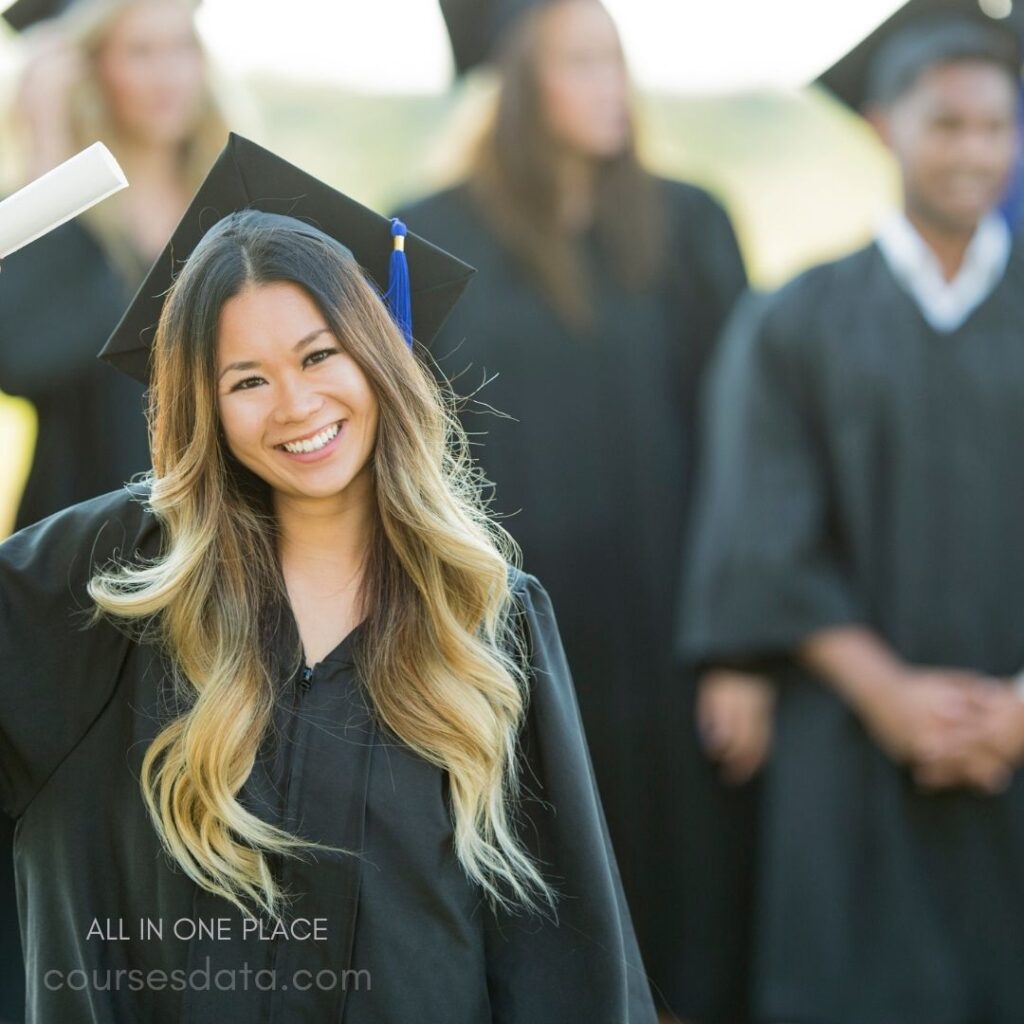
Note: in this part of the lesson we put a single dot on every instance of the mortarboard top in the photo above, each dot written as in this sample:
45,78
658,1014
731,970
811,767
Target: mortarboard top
849,78
247,176
475,27
22,14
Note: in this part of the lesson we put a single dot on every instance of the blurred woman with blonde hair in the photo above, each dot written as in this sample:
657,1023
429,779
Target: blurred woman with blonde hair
132,74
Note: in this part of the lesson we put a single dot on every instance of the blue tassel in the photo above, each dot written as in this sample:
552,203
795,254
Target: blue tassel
399,294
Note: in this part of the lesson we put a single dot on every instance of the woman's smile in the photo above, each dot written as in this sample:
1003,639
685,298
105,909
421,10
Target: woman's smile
314,447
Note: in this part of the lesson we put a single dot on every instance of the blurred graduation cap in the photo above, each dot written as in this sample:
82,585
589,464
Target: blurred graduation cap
248,177
852,78
475,27
23,14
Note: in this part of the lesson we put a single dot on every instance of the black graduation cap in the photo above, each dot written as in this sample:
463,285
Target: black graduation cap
247,176
22,14
476,26
849,78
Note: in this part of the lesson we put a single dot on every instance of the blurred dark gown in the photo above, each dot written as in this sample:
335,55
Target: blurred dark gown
593,474
866,469
59,299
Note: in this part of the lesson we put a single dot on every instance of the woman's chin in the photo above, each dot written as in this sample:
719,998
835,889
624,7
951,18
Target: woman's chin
322,484
313,490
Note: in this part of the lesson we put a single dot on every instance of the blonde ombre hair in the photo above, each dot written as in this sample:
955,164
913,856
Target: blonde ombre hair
440,651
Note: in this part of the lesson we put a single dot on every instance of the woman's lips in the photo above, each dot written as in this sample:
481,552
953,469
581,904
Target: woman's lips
317,453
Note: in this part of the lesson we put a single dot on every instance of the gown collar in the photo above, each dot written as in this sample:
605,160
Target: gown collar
945,305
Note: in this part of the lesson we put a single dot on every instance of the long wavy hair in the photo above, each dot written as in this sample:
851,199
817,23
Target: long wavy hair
514,178
440,652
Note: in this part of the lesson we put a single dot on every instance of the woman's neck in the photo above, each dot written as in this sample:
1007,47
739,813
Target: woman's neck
158,166
575,177
154,204
324,542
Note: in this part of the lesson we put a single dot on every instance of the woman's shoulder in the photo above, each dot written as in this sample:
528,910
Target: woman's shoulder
452,200
526,590
540,625
126,508
450,218
71,253
520,582
71,544
691,201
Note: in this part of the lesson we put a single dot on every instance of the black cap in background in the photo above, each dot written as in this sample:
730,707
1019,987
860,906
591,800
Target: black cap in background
23,14
476,27
915,32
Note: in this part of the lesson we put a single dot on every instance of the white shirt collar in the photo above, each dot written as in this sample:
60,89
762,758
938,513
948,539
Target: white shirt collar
945,304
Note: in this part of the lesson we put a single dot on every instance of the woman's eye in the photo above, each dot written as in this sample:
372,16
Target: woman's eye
319,355
314,357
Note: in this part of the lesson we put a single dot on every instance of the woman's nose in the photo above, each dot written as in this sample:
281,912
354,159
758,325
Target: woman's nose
297,401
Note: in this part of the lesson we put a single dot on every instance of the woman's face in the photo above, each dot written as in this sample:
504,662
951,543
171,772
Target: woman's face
295,407
584,87
151,71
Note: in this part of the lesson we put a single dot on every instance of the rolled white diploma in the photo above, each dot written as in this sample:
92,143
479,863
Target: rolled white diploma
66,191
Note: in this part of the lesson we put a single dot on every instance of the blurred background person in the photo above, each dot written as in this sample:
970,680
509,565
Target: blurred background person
859,530
131,73
599,292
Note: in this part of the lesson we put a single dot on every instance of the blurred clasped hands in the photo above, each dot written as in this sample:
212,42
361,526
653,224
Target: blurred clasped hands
951,728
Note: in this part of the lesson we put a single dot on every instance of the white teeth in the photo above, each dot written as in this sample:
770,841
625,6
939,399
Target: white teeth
313,444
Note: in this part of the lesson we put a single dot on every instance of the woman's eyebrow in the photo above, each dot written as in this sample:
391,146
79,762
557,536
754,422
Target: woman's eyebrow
250,364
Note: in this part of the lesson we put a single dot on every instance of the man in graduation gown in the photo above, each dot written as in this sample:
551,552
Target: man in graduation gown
859,532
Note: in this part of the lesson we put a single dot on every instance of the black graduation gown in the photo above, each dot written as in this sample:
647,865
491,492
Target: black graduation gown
593,474
865,469
78,709
59,299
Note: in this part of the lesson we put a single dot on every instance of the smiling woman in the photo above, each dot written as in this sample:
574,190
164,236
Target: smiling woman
311,647
304,399
236,310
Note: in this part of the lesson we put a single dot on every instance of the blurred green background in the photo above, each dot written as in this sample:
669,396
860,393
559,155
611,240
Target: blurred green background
803,179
